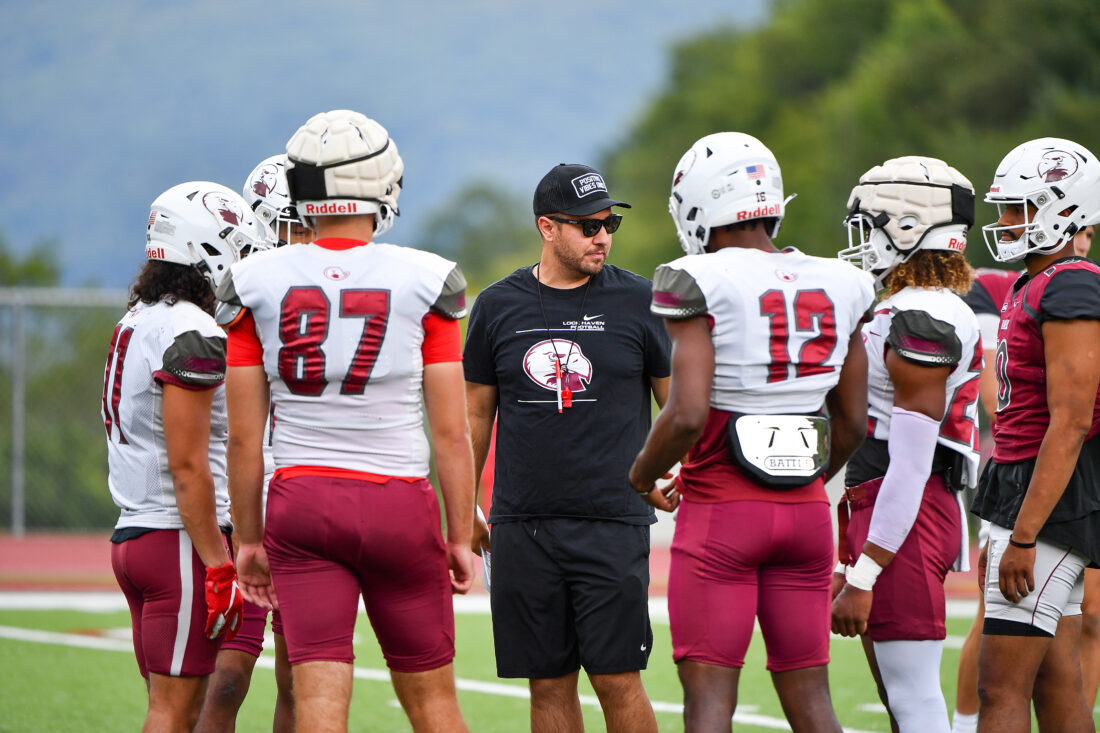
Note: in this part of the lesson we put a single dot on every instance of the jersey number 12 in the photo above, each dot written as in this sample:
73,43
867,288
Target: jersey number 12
813,315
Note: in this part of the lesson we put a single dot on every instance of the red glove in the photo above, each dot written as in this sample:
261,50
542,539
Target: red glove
224,603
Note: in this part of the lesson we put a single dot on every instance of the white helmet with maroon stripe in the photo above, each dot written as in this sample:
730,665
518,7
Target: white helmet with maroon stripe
342,163
725,178
204,225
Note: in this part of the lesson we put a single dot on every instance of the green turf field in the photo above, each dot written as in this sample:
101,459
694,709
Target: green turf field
48,682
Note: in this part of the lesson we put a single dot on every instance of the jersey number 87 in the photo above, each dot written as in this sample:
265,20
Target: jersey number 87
304,325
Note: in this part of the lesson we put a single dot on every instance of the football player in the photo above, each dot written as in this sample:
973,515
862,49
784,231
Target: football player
352,335
903,523
985,298
165,417
265,190
1039,488
763,339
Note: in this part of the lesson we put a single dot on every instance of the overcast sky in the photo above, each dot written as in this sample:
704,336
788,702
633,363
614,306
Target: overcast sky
103,106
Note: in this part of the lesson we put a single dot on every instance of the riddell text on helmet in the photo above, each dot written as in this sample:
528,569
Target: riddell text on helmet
350,207
759,212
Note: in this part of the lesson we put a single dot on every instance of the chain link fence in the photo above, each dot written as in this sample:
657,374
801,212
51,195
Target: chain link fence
53,472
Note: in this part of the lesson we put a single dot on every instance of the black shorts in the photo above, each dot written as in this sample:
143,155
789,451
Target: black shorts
568,593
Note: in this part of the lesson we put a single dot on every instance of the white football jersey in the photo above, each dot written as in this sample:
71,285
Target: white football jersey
155,344
931,326
342,332
781,322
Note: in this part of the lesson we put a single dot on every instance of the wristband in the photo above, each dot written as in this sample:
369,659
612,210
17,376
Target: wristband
647,492
864,573
1021,545
841,568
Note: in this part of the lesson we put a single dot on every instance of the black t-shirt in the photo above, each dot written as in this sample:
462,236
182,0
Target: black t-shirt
572,464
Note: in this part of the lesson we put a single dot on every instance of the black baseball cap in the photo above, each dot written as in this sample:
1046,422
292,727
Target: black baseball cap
572,188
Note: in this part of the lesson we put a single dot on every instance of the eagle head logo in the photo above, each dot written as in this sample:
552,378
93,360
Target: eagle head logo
1056,165
538,364
223,208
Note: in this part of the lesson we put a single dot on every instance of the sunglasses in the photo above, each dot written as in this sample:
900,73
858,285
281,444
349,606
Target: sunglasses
591,227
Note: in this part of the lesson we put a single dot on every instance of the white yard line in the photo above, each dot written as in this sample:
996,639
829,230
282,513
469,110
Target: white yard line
745,715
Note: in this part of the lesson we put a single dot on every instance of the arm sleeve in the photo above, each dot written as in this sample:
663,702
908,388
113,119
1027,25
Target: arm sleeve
193,361
921,339
912,445
477,355
1076,297
245,348
442,339
676,295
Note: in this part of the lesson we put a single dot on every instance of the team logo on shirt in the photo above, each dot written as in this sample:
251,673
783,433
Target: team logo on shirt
1056,165
786,275
223,208
335,273
539,364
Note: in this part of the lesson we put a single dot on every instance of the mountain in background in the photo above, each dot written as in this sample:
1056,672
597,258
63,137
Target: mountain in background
106,105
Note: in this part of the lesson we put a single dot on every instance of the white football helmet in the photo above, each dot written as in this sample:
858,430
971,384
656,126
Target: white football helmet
344,163
724,178
903,206
204,225
265,190
1060,179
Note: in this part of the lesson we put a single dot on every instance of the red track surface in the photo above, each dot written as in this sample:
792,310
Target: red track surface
53,561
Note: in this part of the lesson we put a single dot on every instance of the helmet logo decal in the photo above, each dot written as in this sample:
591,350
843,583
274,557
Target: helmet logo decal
223,208
538,364
686,164
759,212
265,181
754,172
1056,165
335,273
